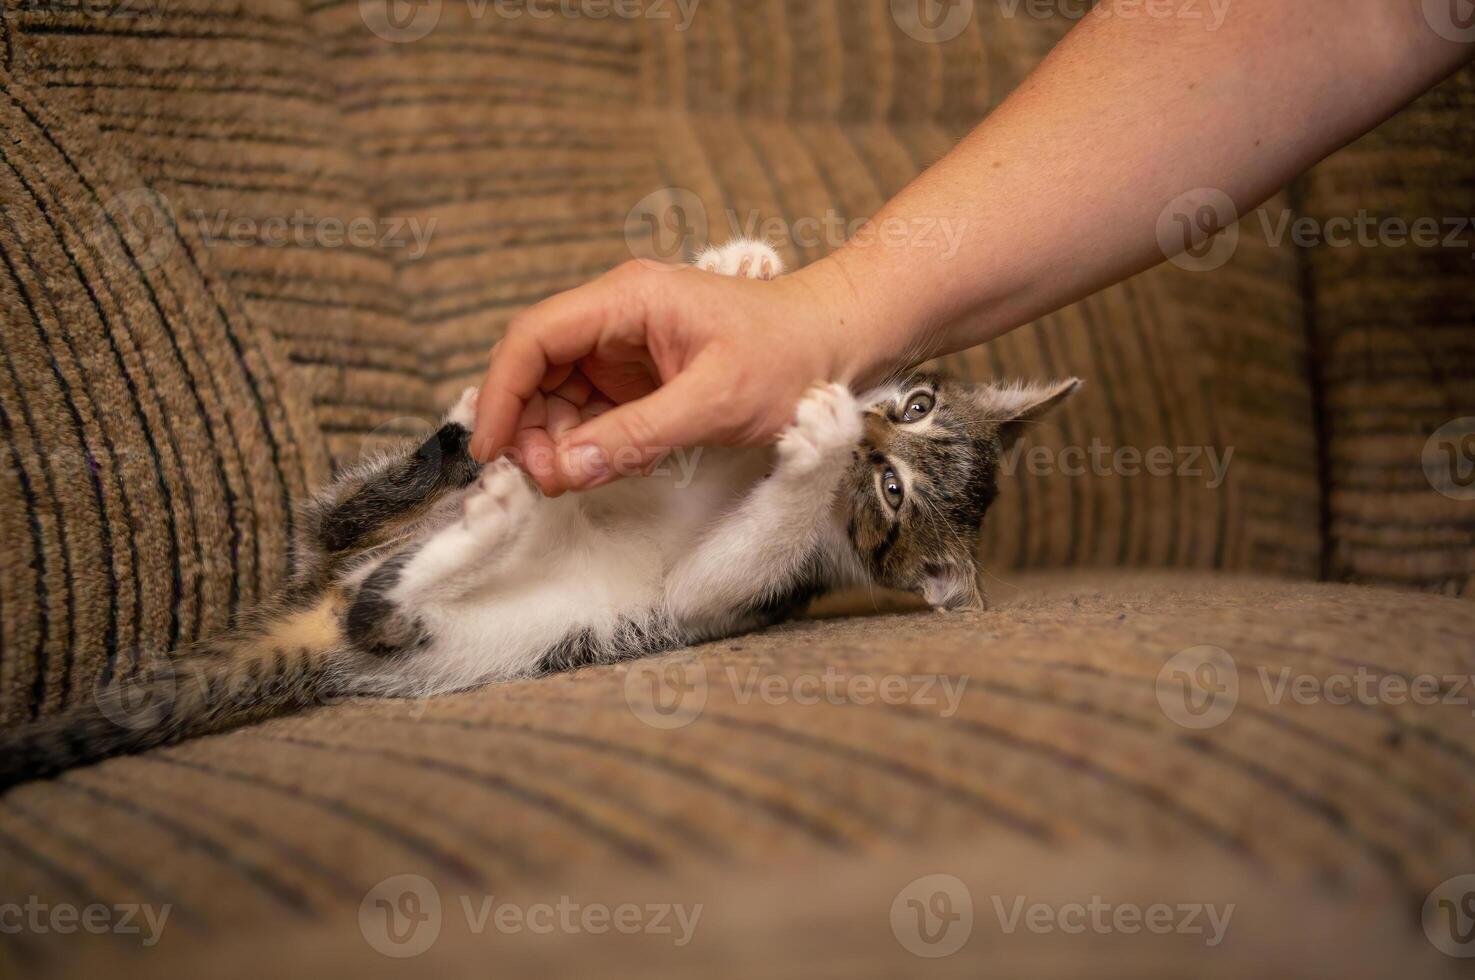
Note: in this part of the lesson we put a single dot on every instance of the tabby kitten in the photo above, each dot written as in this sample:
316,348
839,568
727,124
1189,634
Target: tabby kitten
425,573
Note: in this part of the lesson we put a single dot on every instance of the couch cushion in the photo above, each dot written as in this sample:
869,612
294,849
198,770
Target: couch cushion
1395,353
1085,712
151,447
232,113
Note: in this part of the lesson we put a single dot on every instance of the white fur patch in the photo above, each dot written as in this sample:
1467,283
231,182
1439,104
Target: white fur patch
741,257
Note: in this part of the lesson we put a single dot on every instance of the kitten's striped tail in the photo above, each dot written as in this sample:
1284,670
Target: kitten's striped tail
290,662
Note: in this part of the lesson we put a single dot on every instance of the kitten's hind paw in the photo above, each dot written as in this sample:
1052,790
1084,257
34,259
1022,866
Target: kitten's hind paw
827,428
463,413
498,500
742,257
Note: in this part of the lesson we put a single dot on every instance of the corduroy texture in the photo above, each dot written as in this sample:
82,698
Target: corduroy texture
153,448
1395,352
232,114
824,740
155,443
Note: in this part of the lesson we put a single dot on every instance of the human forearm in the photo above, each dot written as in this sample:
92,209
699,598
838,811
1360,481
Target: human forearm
1059,192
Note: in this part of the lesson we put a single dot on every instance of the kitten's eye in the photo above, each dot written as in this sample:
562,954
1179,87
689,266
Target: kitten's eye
918,406
892,488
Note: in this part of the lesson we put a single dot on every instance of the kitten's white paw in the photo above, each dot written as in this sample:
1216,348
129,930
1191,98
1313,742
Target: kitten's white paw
500,498
827,426
464,411
742,257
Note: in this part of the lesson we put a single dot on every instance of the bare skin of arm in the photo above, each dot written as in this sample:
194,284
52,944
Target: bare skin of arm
1057,194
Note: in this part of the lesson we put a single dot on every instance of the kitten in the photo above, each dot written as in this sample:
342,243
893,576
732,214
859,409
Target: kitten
425,573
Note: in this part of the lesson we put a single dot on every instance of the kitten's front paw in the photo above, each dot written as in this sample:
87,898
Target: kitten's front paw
827,426
742,257
463,413
500,498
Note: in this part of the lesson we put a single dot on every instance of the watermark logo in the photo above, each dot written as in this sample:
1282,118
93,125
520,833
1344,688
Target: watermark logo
400,21
1449,917
933,916
1453,20
145,221
932,21
672,695
1198,230
1449,459
142,701
401,916
1198,688
666,227
671,225
666,694
398,431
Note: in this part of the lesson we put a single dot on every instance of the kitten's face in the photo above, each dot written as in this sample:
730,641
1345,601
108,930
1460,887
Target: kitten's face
925,476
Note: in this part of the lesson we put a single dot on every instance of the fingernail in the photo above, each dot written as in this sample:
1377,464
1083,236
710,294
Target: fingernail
479,449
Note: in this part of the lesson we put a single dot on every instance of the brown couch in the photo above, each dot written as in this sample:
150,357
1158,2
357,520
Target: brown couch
213,292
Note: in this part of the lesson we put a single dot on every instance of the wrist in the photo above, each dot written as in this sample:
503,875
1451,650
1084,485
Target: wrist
865,338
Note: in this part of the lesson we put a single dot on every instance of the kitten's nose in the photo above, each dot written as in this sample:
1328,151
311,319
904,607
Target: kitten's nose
877,430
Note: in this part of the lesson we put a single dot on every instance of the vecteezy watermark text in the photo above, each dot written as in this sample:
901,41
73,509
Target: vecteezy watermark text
1208,463
940,21
671,224
672,694
1102,917
933,917
144,920
403,916
403,21
148,225
1200,688
1200,230
303,230
140,13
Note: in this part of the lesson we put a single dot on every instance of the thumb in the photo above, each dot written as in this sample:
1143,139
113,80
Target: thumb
629,439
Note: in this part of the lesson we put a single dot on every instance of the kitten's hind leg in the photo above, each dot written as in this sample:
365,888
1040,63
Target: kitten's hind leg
495,512
383,619
371,508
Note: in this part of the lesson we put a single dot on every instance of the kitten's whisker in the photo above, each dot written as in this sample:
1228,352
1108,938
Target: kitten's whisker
996,578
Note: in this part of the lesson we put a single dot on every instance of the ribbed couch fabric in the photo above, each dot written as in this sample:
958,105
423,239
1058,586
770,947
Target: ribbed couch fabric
182,363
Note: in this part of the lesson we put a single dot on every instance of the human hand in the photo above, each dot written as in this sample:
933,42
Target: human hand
604,380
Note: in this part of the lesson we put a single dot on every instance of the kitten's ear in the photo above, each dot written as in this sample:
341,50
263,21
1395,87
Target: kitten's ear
953,587
1014,406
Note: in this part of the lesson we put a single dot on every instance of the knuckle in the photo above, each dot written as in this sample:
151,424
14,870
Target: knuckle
628,270
515,331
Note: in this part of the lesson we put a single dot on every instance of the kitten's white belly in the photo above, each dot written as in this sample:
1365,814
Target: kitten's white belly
593,562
